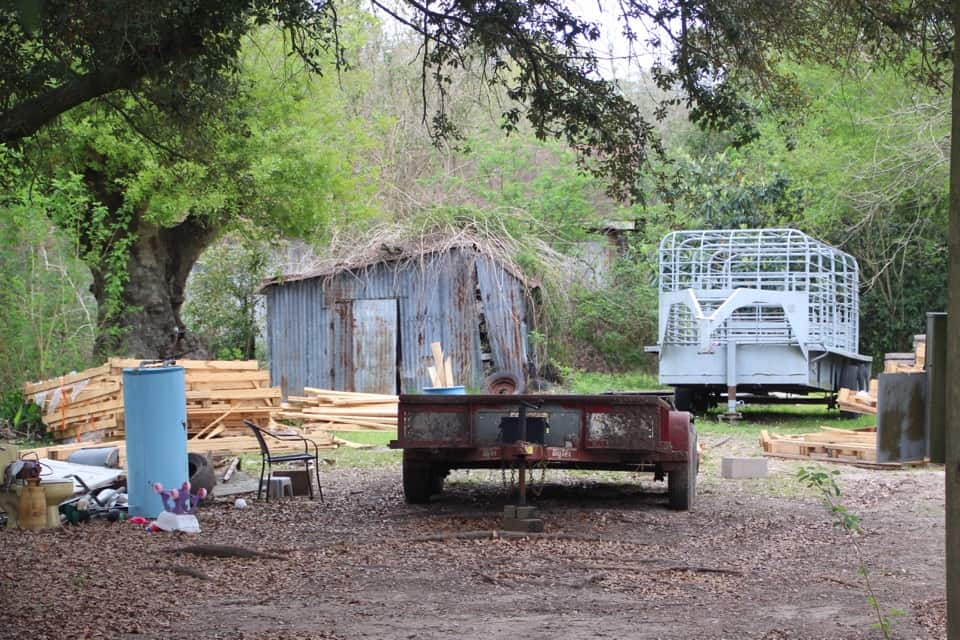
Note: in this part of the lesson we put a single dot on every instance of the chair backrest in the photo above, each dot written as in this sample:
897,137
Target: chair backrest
257,431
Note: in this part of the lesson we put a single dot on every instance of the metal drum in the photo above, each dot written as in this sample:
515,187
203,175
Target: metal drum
155,414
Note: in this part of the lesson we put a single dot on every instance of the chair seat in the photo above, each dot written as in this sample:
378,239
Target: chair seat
292,457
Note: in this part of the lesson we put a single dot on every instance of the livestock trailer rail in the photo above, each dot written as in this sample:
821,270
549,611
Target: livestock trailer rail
628,432
756,310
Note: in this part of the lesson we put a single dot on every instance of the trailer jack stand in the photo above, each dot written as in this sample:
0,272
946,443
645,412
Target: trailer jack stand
521,518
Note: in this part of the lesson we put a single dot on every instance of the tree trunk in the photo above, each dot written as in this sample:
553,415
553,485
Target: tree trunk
149,324
953,357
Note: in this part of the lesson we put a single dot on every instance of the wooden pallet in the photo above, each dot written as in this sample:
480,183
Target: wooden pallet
827,445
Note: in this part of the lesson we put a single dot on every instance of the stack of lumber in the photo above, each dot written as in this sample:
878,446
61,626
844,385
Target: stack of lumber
441,373
859,401
88,406
827,445
84,406
908,362
329,410
866,401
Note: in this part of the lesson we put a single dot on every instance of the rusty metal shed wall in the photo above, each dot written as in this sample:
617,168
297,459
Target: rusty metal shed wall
310,344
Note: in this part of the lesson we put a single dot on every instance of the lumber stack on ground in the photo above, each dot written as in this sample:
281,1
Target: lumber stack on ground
910,362
88,406
331,410
859,401
828,445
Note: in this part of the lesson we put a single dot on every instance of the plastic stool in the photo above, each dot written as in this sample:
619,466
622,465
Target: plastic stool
279,487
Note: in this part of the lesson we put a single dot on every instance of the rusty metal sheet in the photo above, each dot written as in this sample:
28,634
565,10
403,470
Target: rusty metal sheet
448,427
901,417
624,428
505,311
375,345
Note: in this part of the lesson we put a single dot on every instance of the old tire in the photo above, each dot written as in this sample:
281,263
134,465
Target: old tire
502,383
202,475
682,483
418,481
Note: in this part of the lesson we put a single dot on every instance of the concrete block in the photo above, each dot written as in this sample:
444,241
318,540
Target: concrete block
526,512
510,511
299,478
523,525
736,468
279,487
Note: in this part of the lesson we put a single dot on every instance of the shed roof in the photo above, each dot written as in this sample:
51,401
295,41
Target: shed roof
401,253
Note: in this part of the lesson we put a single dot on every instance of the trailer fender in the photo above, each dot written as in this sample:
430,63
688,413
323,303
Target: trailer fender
680,431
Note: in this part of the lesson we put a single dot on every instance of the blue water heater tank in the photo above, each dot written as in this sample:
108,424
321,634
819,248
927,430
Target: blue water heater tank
155,414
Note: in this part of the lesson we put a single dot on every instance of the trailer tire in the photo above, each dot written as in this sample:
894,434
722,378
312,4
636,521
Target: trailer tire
418,481
682,483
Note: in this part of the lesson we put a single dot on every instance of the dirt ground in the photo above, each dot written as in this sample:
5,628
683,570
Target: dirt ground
756,559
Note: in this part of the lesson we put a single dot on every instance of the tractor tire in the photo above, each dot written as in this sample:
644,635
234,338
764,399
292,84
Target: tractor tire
682,483
419,481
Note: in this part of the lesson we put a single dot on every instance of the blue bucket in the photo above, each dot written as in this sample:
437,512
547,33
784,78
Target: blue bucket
458,390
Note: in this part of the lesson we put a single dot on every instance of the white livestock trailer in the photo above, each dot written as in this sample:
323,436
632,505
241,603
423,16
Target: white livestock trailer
756,311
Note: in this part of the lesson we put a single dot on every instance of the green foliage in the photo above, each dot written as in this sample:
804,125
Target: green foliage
48,322
824,482
221,302
619,319
22,418
587,382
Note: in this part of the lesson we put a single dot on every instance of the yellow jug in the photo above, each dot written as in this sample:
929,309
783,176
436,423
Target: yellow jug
32,510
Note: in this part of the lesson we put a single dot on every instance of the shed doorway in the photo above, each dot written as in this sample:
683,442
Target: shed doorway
367,331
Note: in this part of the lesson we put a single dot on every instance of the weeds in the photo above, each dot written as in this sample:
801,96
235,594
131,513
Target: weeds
825,483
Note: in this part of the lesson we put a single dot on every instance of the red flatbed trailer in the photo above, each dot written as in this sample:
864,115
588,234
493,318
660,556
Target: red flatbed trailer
627,432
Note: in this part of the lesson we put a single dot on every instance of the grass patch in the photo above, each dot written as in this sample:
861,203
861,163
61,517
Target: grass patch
588,382
781,419
378,457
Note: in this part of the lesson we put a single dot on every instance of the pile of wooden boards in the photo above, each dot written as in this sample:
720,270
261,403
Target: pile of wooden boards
329,410
828,445
908,362
866,401
88,406
859,401
441,373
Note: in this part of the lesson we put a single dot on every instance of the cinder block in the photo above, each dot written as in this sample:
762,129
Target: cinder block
526,512
523,525
736,468
510,511
279,487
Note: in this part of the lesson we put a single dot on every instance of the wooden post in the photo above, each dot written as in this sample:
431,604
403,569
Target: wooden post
953,355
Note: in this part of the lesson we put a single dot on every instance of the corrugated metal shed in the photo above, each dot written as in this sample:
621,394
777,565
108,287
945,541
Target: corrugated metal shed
370,328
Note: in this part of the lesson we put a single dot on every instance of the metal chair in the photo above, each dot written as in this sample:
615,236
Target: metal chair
267,459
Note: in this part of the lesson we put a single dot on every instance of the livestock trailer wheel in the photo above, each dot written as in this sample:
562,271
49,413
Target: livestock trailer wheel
691,399
682,483
683,398
419,481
